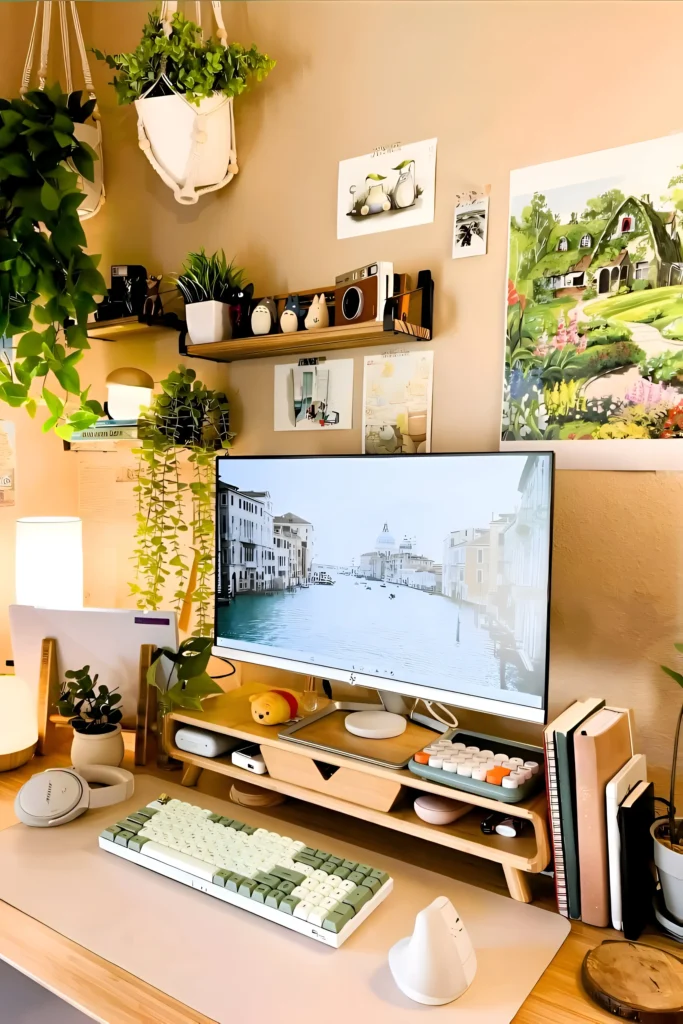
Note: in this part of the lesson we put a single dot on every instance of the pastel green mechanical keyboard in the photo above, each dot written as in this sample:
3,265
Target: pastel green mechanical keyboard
310,891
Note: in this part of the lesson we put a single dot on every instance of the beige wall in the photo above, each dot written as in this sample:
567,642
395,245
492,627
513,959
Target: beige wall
501,85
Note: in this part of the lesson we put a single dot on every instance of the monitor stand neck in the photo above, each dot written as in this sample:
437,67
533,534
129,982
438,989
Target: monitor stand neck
394,702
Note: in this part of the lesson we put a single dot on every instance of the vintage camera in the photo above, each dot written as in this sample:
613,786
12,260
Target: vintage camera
127,293
360,294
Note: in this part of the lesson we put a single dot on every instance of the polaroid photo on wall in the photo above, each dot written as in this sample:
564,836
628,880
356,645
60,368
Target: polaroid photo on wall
470,229
314,396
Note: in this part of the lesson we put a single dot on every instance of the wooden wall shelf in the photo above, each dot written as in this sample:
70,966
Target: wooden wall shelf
303,342
150,330
230,714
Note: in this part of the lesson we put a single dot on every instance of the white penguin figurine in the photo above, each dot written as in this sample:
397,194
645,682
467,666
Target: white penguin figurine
263,317
437,963
318,315
289,321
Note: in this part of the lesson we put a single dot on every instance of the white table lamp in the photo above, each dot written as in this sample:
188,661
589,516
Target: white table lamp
49,562
18,723
128,391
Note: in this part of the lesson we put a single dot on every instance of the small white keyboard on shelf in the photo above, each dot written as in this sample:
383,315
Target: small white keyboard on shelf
310,891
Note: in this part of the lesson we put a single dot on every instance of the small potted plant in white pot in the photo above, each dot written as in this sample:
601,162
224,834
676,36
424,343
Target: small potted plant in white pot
668,834
95,719
211,288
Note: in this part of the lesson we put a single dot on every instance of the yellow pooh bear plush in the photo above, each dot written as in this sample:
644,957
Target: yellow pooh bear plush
274,707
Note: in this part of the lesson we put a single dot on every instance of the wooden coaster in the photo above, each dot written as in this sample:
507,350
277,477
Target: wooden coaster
635,982
246,795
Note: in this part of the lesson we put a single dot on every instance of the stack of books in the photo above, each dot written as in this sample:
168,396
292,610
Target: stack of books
102,435
600,807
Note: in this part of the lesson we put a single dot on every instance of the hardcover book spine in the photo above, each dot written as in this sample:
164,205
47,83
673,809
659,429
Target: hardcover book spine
555,823
566,783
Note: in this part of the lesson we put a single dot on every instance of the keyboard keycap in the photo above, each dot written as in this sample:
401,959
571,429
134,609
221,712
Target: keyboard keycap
336,919
175,859
356,899
288,904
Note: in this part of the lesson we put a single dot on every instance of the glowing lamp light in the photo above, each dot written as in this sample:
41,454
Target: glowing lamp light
128,391
18,723
49,562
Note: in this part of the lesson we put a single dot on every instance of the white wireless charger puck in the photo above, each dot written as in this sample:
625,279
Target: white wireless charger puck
375,725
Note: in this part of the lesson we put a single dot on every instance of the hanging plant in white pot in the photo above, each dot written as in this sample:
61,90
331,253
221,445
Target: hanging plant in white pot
216,299
183,87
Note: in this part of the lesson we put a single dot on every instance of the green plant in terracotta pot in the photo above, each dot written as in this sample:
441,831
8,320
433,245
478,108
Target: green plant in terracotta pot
95,718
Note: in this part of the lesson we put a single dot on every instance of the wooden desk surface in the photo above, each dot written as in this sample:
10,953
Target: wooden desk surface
109,994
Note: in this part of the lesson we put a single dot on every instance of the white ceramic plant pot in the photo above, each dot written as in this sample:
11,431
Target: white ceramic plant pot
208,321
669,865
94,190
97,748
191,143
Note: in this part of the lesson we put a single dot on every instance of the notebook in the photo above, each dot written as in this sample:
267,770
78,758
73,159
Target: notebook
602,745
564,728
618,788
636,815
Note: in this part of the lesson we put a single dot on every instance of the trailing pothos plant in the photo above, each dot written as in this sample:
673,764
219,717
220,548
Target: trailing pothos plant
48,283
188,682
194,65
187,417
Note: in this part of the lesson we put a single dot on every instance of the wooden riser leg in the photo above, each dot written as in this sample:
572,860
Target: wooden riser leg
191,775
518,884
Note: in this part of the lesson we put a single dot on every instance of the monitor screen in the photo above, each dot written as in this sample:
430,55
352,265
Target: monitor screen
425,575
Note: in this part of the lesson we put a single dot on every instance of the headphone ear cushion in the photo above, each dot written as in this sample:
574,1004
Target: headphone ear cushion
118,784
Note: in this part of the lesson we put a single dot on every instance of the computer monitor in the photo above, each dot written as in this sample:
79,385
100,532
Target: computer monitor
422,575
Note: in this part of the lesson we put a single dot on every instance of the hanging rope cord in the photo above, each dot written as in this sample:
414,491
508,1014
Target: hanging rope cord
188,193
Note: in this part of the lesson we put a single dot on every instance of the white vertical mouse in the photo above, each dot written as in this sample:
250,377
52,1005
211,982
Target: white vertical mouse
437,963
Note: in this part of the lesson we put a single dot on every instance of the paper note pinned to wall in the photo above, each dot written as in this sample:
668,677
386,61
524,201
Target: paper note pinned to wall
7,463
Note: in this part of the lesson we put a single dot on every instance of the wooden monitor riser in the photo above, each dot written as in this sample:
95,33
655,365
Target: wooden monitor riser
362,790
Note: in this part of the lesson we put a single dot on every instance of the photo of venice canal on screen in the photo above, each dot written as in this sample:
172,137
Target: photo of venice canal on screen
431,570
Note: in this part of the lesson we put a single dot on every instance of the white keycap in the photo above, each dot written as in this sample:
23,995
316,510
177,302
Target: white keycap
333,880
325,889
347,886
499,758
479,774
507,783
450,766
510,764
302,910
517,760
304,869
175,859
322,876
314,898
329,902
298,845
336,894
465,770
311,884
317,916
458,746
298,891
533,766
472,749
435,762
486,753
431,749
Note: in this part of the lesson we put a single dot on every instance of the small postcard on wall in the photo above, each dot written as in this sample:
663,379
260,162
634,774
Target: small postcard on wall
397,403
392,187
7,463
314,396
470,229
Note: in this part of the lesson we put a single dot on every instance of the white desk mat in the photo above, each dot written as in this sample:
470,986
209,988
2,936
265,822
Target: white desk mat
231,965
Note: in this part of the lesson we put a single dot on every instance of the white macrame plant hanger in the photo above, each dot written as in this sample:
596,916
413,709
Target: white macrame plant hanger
192,148
84,132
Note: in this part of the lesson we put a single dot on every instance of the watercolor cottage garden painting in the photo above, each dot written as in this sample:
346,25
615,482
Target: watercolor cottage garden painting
594,345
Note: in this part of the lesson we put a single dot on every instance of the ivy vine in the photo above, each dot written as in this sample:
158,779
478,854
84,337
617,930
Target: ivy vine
48,283
185,417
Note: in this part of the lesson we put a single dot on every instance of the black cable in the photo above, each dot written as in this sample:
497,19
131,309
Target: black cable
227,675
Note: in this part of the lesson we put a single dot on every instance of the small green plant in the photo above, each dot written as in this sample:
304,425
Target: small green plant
209,277
195,66
186,417
674,834
663,368
188,682
48,283
88,711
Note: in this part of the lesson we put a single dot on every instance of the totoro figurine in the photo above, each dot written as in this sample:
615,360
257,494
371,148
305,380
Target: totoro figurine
263,317
289,321
317,316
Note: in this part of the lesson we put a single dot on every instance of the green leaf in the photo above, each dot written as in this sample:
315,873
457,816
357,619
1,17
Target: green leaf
31,407
30,344
54,404
64,431
674,675
49,197
63,140
376,177
69,379
16,164
8,249
404,163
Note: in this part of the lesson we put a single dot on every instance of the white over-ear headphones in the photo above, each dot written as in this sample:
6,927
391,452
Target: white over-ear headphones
59,795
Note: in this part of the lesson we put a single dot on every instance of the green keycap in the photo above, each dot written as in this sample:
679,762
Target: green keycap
302,858
341,872
247,887
356,878
237,825
288,904
123,837
225,821
260,892
140,819
336,919
221,877
234,882
248,829
287,875
357,897
363,869
265,879
287,887
214,817
335,860
382,875
322,854
308,850
111,832
146,812
373,884
137,842
328,868
274,897
129,826
350,864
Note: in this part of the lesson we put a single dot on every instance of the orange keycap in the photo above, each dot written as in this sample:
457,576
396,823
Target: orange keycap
421,757
496,775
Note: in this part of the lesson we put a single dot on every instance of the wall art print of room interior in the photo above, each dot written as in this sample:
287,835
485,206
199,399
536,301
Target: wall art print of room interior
594,342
